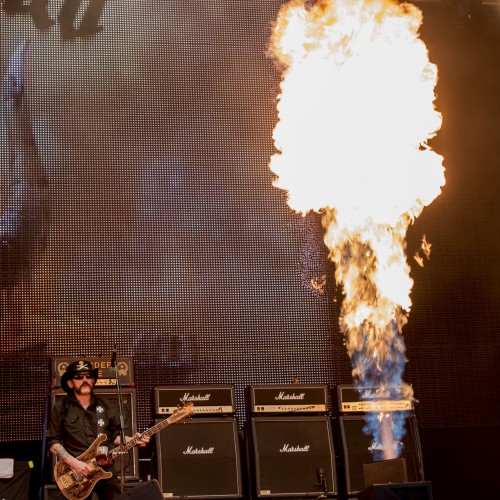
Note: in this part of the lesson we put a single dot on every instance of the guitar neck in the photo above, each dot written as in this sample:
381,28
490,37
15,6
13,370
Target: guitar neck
176,417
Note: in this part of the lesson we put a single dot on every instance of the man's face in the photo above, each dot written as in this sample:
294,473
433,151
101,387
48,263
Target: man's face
81,383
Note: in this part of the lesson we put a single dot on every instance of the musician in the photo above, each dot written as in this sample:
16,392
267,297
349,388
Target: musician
78,419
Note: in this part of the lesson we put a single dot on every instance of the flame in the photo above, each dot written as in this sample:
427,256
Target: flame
426,249
356,110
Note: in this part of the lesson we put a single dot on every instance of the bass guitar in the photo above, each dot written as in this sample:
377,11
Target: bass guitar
76,487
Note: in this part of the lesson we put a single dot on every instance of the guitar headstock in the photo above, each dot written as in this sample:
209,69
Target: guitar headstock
181,413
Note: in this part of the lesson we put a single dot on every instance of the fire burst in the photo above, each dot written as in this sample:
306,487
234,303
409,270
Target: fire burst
356,110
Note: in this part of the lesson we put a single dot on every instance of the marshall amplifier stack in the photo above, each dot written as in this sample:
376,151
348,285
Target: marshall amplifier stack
199,457
353,405
289,442
105,388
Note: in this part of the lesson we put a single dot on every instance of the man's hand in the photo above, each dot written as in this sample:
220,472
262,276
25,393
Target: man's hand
141,440
82,469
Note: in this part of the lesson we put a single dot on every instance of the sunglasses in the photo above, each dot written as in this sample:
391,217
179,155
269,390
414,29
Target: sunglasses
81,376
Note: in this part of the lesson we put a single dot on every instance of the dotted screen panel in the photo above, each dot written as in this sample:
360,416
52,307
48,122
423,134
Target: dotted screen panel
151,222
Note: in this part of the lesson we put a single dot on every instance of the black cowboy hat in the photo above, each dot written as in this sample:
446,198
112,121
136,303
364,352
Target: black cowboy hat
82,365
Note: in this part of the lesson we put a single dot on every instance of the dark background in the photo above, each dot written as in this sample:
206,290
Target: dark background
167,238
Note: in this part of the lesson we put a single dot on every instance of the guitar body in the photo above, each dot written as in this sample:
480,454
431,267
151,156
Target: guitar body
75,487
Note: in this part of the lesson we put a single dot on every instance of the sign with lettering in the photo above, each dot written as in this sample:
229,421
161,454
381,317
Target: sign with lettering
107,373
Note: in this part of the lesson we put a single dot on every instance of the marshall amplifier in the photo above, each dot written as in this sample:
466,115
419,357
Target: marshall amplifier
207,399
358,400
292,457
200,458
107,375
357,446
292,398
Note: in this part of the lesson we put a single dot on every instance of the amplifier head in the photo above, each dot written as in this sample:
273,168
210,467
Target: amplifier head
207,399
358,400
291,399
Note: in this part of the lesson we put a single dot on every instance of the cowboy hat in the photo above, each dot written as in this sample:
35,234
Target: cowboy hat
75,367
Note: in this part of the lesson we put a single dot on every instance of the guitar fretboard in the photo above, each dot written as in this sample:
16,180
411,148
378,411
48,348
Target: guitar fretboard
179,415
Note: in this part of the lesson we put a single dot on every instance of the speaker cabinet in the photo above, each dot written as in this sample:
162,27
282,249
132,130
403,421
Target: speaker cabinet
356,445
129,406
292,457
200,458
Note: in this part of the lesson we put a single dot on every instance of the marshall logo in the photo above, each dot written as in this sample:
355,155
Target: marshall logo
295,449
190,450
374,446
190,397
282,396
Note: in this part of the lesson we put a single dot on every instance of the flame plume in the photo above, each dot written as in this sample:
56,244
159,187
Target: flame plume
356,110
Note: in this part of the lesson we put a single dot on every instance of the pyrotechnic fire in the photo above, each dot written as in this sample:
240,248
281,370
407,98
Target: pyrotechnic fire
356,110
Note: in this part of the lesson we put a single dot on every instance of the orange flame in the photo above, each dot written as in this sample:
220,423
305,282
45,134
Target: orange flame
356,110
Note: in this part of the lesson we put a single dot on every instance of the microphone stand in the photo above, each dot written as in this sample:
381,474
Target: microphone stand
322,484
120,411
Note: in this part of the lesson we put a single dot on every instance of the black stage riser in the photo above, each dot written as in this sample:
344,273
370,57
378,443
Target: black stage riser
51,491
402,491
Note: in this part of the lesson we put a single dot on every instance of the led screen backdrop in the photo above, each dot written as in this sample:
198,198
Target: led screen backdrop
149,219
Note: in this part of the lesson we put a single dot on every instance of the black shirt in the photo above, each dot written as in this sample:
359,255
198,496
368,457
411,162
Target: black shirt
76,428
